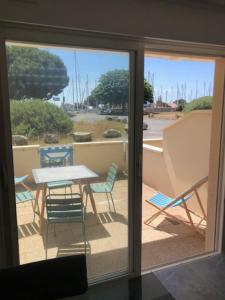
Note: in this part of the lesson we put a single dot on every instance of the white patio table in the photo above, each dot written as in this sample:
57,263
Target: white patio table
80,174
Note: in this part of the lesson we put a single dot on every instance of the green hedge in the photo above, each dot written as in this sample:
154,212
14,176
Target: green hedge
34,118
199,103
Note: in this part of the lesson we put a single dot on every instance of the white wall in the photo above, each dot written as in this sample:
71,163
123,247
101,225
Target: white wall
144,18
186,146
97,156
183,158
155,172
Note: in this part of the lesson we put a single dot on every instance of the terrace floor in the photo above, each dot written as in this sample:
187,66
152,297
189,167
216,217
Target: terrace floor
107,249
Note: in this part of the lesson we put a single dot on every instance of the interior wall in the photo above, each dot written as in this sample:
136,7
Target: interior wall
142,18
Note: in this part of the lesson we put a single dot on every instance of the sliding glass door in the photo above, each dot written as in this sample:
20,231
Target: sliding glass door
180,173
70,111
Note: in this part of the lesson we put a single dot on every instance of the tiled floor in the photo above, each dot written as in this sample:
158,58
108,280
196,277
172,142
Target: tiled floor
164,241
167,241
197,280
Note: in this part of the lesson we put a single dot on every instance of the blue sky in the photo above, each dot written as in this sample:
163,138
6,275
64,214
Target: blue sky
170,78
179,78
90,65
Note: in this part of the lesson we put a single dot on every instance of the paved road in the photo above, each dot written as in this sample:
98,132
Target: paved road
154,126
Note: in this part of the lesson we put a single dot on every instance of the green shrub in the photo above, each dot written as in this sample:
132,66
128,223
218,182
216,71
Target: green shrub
34,118
199,103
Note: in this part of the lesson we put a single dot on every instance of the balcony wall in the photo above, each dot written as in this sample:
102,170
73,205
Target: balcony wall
186,146
155,171
95,155
182,159
154,142
98,156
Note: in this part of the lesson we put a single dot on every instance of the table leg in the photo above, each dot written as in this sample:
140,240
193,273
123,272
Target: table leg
42,208
92,201
80,186
36,204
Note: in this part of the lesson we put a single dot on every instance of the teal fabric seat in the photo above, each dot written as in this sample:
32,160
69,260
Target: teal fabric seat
104,187
18,180
162,200
65,208
23,192
162,203
24,196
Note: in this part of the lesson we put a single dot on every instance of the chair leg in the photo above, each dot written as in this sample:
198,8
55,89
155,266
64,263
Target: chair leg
113,202
84,234
36,204
33,207
154,216
54,231
46,242
108,201
80,187
85,205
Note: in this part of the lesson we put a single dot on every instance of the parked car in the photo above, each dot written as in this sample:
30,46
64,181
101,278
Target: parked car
106,111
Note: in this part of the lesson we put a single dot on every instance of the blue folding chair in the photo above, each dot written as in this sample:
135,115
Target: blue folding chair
57,156
163,202
25,194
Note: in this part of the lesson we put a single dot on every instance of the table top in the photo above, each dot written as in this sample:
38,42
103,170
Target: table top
45,175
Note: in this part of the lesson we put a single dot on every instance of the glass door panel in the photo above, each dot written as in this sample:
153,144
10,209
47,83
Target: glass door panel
69,117
179,116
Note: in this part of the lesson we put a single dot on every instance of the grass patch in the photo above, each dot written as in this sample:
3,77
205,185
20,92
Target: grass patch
96,128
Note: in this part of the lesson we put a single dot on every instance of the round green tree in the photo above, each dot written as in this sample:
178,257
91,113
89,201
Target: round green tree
148,92
113,89
34,73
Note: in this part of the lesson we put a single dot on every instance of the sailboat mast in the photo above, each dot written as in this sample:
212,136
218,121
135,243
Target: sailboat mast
76,77
73,91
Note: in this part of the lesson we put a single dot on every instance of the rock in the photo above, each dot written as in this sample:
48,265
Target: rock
81,137
51,138
109,118
112,133
124,120
19,140
145,126
114,118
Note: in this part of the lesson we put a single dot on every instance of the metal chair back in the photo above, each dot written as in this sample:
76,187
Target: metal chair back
65,208
57,156
112,174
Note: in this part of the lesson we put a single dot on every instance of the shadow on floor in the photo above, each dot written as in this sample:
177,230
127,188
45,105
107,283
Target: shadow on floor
26,230
171,249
